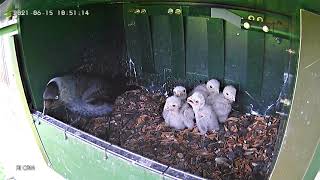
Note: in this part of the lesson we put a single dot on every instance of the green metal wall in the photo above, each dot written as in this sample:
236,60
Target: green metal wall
188,48
55,45
299,154
277,6
195,47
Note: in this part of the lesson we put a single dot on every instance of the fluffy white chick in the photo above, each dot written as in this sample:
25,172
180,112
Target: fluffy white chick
206,119
210,89
202,89
171,113
222,104
188,114
213,86
180,92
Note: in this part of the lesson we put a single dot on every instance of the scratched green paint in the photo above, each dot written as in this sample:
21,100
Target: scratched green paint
78,160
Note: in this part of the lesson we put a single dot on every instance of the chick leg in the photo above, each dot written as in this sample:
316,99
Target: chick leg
189,123
202,128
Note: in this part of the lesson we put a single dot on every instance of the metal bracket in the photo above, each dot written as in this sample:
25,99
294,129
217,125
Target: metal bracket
105,154
65,134
291,51
285,102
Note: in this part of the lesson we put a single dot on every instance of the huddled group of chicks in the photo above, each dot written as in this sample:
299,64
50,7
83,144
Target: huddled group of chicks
205,104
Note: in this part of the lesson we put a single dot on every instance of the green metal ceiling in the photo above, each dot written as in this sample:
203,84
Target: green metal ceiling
278,6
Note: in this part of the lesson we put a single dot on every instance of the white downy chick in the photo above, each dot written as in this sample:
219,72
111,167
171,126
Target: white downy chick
171,113
213,86
180,92
188,114
222,103
202,89
206,119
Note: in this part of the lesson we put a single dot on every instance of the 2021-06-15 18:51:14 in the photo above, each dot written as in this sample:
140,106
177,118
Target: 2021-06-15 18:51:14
58,12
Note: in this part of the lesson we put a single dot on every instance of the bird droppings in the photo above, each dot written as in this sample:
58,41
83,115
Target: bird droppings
243,148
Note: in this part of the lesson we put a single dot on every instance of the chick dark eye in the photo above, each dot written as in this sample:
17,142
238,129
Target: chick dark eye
173,105
197,101
210,86
227,94
184,90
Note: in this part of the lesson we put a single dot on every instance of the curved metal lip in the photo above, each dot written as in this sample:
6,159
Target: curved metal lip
124,154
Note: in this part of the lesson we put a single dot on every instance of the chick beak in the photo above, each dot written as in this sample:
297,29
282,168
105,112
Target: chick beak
190,101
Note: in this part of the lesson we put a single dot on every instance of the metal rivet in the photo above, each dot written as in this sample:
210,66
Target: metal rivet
291,51
251,17
143,11
265,28
285,102
105,154
178,11
170,11
137,11
246,25
279,40
238,34
259,19
65,134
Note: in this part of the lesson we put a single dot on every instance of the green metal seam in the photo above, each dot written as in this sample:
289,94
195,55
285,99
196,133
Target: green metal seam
8,29
314,165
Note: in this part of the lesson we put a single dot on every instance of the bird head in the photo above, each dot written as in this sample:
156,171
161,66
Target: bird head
172,104
180,92
51,95
229,92
196,101
213,86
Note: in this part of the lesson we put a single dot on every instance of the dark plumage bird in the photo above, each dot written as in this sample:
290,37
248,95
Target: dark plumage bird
87,96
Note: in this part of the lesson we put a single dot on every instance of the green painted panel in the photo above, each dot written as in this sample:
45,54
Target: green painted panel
76,159
54,45
236,60
235,55
196,48
215,29
178,46
275,65
8,29
2,171
302,133
138,38
162,47
269,5
255,59
314,166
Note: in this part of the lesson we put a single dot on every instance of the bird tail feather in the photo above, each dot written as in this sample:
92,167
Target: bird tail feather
92,111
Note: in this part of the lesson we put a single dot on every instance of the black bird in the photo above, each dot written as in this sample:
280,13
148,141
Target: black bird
86,96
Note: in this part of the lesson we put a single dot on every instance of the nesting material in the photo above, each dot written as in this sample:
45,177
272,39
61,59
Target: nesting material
243,148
